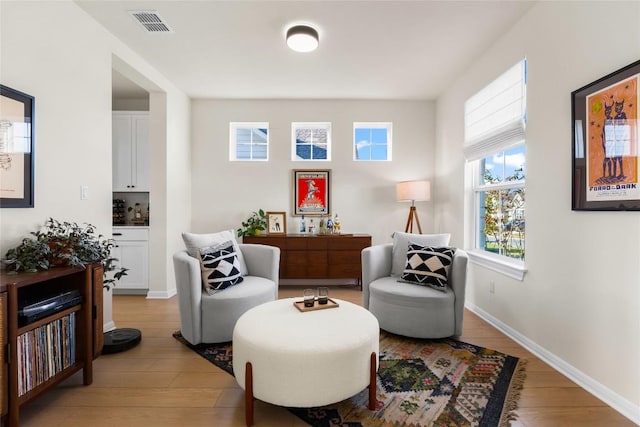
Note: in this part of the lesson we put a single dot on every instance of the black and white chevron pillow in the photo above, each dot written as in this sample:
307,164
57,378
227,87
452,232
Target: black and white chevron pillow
428,266
219,266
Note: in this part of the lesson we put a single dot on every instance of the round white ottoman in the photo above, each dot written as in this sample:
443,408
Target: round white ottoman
304,359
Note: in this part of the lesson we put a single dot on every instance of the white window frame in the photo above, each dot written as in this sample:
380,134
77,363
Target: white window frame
388,126
233,139
295,126
495,120
508,266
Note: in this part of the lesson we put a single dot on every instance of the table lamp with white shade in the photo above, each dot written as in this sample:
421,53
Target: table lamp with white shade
413,191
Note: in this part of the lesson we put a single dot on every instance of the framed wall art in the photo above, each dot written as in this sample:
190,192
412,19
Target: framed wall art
605,145
16,149
276,222
311,192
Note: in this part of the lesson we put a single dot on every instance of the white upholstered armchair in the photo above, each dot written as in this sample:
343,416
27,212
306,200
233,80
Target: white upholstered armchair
409,309
208,318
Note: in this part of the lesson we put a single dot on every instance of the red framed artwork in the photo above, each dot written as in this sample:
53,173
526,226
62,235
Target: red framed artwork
311,192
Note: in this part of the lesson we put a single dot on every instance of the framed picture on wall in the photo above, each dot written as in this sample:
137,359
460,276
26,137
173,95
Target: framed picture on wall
16,149
311,192
605,144
276,222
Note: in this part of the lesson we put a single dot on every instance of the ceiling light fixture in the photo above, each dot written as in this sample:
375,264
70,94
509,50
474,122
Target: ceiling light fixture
302,38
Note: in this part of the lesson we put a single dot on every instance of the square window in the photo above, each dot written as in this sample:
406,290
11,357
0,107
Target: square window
311,141
249,141
371,141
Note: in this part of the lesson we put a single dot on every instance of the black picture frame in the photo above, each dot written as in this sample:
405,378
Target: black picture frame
605,143
16,148
311,192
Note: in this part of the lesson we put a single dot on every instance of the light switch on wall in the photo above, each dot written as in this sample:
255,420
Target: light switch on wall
84,192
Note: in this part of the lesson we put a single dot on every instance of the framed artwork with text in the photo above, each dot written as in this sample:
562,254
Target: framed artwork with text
311,192
606,170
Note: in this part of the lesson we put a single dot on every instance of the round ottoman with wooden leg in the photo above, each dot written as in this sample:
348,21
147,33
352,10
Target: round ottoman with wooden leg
287,357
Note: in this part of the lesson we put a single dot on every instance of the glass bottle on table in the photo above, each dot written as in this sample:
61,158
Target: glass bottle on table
303,225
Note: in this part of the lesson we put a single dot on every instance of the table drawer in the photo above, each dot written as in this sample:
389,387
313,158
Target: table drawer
131,234
343,271
346,243
344,257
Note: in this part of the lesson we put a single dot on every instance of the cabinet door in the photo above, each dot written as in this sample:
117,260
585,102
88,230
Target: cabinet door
133,255
130,133
122,157
140,172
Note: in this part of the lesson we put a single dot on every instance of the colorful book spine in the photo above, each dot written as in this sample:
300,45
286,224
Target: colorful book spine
45,351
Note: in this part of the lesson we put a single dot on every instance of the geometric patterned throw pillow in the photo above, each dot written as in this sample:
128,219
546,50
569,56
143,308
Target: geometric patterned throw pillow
220,267
428,266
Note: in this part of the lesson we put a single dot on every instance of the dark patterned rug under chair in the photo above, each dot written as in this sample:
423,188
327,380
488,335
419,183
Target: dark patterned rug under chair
420,383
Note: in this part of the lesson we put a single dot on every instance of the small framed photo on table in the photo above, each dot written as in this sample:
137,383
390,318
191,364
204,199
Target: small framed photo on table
276,222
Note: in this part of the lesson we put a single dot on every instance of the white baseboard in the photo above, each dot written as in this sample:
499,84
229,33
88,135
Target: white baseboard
608,396
161,294
109,326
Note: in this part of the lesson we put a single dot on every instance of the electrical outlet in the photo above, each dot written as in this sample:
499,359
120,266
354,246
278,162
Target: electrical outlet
492,287
84,192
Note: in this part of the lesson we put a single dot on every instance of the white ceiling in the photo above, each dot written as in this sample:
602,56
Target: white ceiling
368,49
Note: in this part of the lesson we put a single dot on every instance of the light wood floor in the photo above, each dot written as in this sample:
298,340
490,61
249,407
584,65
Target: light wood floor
163,383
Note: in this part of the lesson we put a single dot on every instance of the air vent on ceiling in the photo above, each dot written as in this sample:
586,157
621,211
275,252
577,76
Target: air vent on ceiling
151,21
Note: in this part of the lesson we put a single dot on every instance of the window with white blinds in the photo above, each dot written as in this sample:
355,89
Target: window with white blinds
495,149
495,117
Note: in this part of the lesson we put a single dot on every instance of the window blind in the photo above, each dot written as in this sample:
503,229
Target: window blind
494,118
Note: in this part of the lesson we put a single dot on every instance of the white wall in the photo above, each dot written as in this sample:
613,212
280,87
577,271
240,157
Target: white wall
66,64
363,193
579,303
72,107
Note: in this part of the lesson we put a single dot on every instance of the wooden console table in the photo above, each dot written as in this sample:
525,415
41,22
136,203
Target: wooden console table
317,256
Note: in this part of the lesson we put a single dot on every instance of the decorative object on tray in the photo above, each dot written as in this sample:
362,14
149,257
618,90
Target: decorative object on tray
64,244
308,298
300,305
606,172
454,383
323,295
254,225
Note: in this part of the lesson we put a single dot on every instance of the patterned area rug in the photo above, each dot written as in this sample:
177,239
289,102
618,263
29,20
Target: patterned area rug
420,383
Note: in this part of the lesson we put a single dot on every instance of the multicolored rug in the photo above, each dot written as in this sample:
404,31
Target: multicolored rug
420,383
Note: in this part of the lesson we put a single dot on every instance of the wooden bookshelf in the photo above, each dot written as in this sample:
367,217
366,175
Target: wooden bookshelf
47,351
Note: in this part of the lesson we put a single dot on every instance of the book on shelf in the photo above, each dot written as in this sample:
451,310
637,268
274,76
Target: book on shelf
45,351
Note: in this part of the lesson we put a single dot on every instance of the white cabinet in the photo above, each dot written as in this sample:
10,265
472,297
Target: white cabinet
132,251
130,135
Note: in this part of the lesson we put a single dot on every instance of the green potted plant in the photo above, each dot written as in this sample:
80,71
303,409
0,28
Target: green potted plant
254,225
63,244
